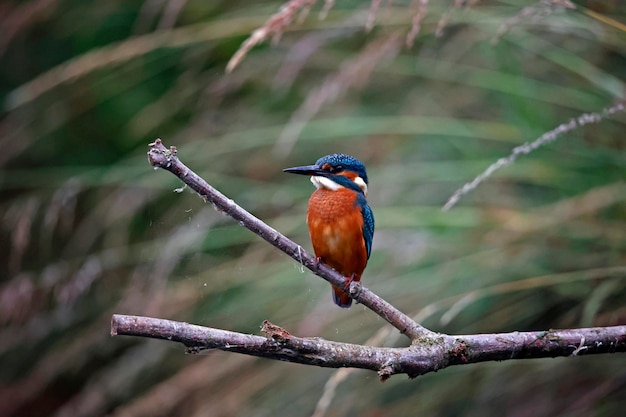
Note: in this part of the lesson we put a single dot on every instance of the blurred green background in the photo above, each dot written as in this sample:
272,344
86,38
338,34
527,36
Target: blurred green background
88,229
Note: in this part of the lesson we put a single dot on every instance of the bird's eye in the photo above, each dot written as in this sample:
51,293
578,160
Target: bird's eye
332,169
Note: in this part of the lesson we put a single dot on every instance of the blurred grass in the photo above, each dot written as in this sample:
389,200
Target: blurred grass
88,229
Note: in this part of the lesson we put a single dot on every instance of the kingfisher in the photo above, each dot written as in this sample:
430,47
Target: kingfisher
341,223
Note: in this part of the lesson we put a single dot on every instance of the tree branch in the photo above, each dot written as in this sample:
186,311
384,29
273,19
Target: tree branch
428,352
423,356
161,157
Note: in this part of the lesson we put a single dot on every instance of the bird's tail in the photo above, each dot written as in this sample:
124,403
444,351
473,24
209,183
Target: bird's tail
341,299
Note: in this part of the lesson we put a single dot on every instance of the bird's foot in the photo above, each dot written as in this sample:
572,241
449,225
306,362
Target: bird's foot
349,280
355,289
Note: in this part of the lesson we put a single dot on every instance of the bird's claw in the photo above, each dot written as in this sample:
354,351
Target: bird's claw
349,280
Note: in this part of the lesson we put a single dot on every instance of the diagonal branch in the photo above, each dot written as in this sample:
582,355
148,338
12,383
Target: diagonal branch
427,355
162,157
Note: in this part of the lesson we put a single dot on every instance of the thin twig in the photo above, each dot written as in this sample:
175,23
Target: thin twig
420,8
273,27
527,148
532,14
162,157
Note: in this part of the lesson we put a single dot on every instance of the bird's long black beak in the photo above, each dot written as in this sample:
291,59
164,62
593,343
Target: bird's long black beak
305,170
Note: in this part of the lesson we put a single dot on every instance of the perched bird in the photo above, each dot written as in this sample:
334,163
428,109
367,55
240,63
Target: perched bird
341,224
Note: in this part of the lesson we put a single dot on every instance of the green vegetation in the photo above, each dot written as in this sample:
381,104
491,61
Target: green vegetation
88,229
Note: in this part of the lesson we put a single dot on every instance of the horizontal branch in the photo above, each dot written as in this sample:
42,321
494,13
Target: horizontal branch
162,157
423,356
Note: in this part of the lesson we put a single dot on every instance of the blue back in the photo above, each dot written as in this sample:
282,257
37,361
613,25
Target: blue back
368,222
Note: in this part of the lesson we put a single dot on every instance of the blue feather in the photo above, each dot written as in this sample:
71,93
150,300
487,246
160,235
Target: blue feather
368,222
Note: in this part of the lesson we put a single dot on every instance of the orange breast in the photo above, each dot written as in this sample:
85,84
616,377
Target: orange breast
336,228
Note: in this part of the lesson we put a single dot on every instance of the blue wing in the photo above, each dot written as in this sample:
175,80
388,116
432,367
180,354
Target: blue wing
368,223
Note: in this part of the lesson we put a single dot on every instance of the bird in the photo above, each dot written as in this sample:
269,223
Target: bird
341,223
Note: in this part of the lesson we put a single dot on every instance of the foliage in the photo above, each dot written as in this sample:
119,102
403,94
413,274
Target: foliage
88,229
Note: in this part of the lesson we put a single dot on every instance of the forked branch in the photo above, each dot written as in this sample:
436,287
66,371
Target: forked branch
428,352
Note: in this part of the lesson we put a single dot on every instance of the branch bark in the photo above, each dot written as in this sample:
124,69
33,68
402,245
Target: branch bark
428,352
425,355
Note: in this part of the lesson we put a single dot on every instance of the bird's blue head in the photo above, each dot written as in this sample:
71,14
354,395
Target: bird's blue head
335,171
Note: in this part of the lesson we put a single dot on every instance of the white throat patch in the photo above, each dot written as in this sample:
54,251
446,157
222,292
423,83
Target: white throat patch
328,184
323,182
